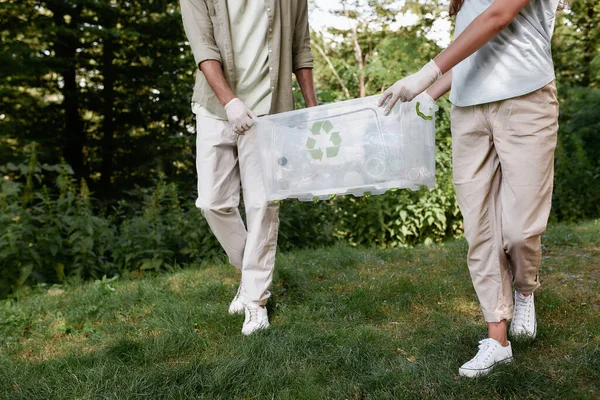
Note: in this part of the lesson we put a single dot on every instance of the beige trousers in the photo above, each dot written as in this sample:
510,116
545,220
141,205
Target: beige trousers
224,160
503,161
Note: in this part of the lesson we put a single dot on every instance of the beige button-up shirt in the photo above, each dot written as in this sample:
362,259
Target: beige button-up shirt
206,24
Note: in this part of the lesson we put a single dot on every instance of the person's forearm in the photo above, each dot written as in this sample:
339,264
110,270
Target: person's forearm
439,88
307,85
216,79
483,28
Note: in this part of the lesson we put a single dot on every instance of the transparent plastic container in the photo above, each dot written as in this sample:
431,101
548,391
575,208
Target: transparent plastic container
348,147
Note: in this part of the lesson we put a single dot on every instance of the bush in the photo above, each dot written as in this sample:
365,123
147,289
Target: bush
577,161
48,235
44,238
163,233
576,183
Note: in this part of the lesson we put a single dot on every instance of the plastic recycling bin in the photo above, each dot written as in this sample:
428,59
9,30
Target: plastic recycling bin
348,147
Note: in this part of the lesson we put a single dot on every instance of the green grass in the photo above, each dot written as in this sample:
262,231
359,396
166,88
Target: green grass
346,324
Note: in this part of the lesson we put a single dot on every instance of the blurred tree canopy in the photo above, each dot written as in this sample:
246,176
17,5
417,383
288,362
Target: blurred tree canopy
104,85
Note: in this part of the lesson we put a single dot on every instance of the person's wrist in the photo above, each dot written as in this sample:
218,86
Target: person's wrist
433,71
428,96
226,102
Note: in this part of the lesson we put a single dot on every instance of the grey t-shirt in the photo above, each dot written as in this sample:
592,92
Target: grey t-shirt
515,62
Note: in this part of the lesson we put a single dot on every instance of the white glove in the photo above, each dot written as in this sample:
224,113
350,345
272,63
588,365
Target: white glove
426,106
240,117
407,88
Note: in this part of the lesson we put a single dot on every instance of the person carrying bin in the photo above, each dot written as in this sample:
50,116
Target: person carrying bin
246,52
504,130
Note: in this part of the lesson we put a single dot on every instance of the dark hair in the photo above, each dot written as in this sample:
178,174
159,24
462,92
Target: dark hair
455,6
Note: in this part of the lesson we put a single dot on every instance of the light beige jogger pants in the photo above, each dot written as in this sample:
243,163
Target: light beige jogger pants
224,160
503,160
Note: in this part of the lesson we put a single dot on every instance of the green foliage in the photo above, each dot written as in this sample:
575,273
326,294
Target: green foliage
46,237
371,54
577,166
107,94
576,182
50,235
164,233
307,225
576,50
576,44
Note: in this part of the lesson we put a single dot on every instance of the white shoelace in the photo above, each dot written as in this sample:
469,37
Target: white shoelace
522,308
483,354
252,314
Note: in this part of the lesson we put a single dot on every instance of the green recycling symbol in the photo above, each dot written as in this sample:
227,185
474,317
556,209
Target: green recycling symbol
333,145
420,113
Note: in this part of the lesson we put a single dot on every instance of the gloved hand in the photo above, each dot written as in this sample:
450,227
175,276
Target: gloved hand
407,88
425,106
240,117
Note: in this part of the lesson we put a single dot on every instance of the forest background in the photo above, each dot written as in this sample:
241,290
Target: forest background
97,157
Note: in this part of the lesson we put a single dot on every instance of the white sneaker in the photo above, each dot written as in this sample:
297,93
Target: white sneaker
490,353
256,318
524,324
237,305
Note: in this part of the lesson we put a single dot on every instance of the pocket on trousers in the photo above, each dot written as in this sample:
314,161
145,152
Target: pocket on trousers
530,114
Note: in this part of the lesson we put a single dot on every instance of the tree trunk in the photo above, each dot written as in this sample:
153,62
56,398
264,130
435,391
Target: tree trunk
108,125
74,134
358,56
589,46
65,47
333,70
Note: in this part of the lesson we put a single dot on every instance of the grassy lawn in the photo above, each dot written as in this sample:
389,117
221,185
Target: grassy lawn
346,324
